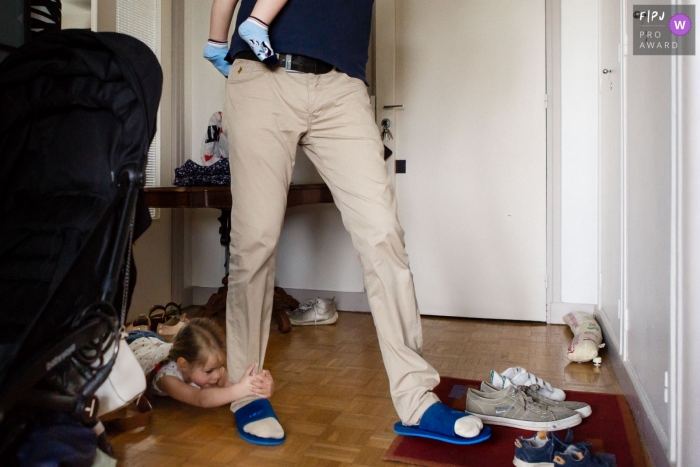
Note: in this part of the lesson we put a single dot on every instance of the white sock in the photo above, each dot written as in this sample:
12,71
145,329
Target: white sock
267,428
468,427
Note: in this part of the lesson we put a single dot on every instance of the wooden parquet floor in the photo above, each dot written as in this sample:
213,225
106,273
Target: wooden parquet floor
332,394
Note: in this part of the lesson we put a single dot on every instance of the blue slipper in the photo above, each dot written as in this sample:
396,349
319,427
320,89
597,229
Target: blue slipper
438,422
256,410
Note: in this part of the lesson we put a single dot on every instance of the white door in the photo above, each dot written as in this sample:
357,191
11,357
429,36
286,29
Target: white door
471,75
610,118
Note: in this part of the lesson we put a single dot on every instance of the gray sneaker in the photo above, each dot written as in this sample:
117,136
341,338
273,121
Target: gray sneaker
582,408
315,312
511,407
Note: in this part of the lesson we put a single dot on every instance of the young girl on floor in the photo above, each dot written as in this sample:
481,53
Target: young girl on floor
194,370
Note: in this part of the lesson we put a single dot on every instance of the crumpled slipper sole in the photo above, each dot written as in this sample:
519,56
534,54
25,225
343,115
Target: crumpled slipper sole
256,410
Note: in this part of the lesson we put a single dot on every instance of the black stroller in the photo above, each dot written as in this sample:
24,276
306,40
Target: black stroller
77,116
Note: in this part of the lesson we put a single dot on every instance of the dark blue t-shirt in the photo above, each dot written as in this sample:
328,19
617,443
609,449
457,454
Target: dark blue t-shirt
335,31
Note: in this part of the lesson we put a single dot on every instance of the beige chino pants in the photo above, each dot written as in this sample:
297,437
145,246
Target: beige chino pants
267,115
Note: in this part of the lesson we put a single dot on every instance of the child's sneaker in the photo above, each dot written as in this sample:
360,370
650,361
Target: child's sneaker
518,376
315,312
581,407
578,455
537,452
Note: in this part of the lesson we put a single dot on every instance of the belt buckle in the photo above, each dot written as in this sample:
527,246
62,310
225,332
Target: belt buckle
288,62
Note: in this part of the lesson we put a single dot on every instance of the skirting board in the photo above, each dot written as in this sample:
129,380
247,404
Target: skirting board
558,310
346,301
650,439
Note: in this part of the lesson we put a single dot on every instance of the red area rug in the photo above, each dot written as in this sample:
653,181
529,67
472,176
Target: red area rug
610,428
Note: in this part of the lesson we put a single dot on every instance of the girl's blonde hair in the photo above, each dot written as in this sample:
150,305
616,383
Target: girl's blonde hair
196,341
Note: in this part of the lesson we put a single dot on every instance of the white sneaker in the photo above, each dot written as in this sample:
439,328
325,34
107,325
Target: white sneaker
518,376
315,312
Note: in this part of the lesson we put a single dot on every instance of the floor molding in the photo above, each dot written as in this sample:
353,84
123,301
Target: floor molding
610,337
643,416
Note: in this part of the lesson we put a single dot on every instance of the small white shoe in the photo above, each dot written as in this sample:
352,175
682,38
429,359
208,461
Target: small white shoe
315,312
518,376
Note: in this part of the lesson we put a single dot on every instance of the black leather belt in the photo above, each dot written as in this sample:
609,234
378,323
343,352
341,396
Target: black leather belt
291,62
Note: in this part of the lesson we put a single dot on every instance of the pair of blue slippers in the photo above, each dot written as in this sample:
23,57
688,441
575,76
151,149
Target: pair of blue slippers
436,423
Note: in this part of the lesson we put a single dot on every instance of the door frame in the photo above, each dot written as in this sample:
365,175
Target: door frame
385,83
553,50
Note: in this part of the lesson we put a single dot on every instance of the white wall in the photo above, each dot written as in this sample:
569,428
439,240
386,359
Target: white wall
689,345
152,259
579,151
648,220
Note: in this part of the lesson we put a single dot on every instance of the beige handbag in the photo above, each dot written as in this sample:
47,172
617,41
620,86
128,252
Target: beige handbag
125,382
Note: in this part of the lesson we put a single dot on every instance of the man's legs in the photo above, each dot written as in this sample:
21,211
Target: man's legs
263,119
343,142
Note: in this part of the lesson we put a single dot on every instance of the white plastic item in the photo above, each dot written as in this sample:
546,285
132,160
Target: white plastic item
587,337
215,142
125,382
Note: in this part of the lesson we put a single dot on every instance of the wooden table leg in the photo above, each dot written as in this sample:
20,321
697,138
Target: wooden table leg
217,302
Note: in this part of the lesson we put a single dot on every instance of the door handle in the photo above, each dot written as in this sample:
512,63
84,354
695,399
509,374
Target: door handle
394,106
606,71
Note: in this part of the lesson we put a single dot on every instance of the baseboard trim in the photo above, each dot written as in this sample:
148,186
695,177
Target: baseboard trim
610,338
653,438
558,310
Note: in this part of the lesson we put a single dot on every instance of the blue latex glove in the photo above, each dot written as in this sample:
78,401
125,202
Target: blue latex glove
216,54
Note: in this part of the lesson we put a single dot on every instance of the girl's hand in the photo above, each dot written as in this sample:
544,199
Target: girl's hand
248,378
263,385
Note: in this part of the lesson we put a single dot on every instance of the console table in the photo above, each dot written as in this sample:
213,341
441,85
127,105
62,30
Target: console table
219,197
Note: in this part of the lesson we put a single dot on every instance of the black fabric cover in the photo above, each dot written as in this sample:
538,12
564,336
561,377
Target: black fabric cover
76,109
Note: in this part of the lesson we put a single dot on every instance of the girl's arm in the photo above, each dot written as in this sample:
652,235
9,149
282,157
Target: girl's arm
207,397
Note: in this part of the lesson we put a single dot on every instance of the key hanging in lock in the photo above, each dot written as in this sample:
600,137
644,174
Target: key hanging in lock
386,132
